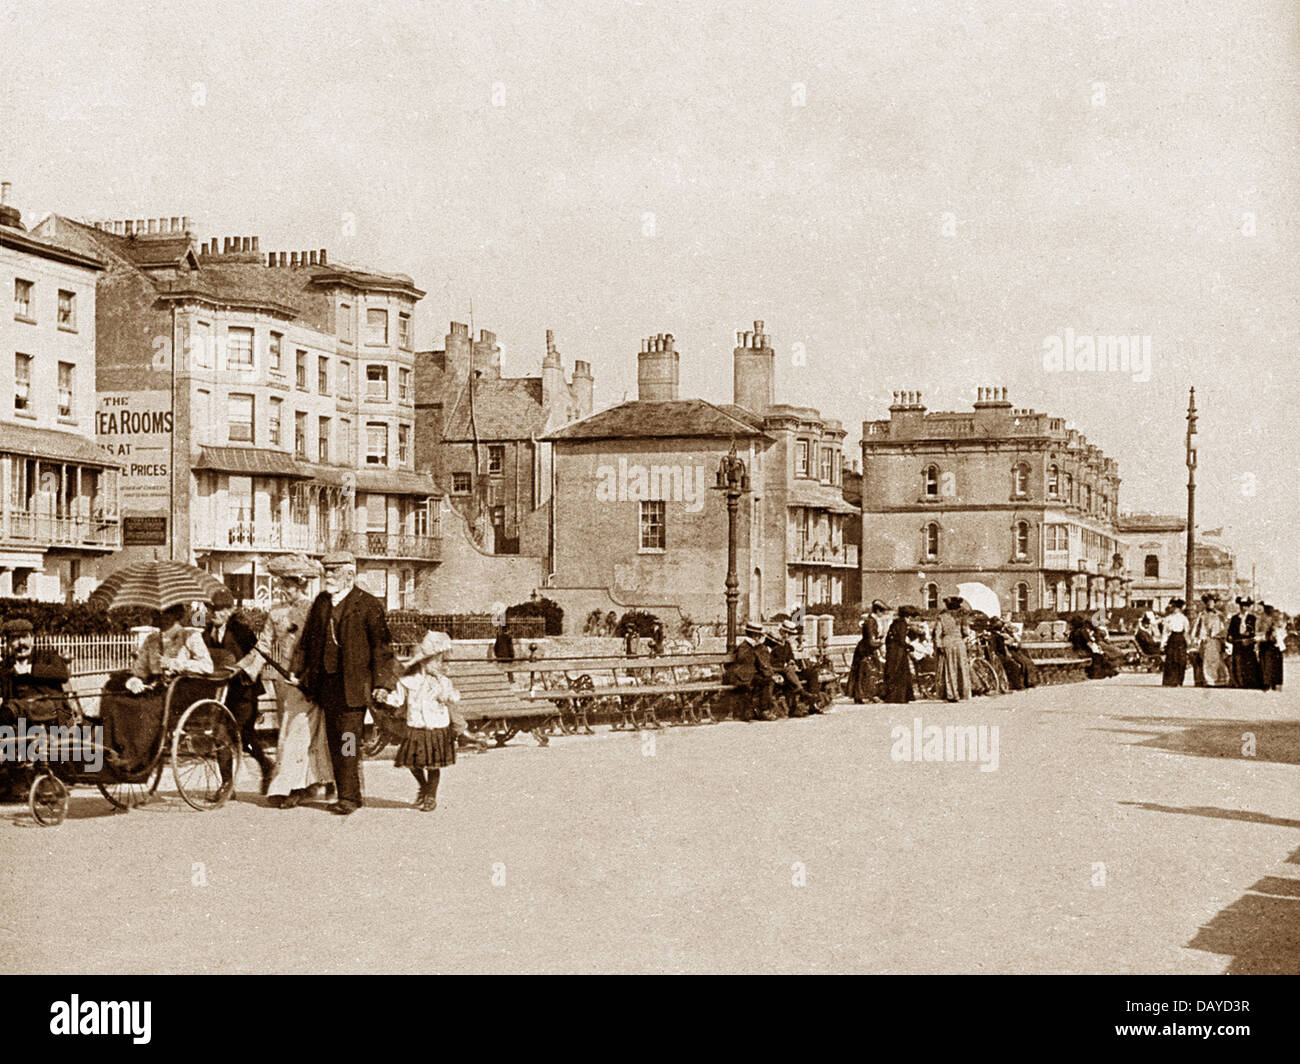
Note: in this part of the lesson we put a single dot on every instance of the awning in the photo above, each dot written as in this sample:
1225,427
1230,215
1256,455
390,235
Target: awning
330,476
54,445
395,482
249,462
818,497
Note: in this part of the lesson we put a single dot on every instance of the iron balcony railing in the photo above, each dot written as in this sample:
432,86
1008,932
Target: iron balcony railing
27,527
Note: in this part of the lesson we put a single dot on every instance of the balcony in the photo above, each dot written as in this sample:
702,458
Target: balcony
837,556
388,545
244,536
248,536
28,528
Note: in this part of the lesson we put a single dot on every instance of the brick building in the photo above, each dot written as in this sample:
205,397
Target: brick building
276,395
1008,497
636,521
1155,551
482,435
59,516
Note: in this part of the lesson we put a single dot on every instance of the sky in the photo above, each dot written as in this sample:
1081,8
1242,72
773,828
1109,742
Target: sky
911,195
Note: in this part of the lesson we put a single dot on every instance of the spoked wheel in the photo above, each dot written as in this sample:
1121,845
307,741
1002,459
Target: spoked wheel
206,754
123,795
984,680
48,800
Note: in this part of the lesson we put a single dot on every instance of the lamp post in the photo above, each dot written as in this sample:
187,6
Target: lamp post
1189,579
733,481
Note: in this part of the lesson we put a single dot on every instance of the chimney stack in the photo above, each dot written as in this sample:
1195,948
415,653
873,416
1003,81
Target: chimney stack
753,370
658,369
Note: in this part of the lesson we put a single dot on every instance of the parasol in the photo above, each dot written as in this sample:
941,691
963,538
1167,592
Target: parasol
981,597
155,585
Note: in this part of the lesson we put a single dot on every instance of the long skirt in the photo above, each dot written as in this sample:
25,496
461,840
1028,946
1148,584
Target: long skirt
1245,667
864,674
303,755
427,748
1175,660
1270,666
132,724
1214,664
898,675
953,666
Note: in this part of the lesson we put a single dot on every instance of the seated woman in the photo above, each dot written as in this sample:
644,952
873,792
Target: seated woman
132,705
1085,640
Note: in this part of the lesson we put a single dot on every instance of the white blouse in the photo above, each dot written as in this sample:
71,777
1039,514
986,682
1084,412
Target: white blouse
1175,622
426,698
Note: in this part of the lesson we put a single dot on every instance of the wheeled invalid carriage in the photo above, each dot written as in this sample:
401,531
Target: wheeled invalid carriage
197,735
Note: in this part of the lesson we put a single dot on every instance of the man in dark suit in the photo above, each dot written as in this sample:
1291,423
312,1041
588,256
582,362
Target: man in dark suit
234,645
347,662
751,670
31,689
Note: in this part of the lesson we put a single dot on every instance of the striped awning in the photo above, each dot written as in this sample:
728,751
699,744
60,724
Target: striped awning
250,462
395,482
53,445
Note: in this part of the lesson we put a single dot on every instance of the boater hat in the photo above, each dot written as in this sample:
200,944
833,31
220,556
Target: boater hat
880,605
753,629
789,627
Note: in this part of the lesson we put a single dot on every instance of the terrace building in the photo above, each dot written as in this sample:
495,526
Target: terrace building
1008,497
1155,550
266,402
58,489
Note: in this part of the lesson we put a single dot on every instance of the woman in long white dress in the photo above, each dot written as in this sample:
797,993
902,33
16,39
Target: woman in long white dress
303,759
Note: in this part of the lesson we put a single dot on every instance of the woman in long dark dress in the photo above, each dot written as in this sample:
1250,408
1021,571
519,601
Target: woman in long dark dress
1241,637
864,673
1175,634
898,666
1272,637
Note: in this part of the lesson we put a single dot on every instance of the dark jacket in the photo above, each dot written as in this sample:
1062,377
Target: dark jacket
38,695
365,643
751,663
235,643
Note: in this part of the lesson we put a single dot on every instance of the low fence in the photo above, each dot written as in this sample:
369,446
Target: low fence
88,654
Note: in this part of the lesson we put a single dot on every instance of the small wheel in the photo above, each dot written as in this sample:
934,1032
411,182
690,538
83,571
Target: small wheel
48,800
984,680
123,795
206,754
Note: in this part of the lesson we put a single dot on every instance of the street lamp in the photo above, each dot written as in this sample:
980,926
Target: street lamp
733,480
1189,578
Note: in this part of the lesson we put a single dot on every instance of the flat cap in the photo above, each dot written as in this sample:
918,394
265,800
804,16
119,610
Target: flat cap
339,557
16,626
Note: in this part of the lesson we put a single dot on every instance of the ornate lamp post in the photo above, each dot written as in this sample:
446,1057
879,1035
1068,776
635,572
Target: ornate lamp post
1189,580
733,480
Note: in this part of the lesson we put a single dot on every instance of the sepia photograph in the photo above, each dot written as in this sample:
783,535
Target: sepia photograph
818,477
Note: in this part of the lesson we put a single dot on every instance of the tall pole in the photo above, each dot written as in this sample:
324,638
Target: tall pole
733,578
1189,580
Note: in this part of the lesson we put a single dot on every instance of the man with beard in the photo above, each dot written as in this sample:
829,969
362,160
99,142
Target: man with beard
31,688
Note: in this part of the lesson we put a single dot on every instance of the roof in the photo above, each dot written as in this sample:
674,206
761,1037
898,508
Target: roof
53,444
660,419
395,482
811,493
506,408
1150,523
250,461
48,249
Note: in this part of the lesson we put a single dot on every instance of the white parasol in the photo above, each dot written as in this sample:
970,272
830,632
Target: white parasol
981,597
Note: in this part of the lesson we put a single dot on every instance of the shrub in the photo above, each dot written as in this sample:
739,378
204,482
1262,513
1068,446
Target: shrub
551,612
639,622
58,618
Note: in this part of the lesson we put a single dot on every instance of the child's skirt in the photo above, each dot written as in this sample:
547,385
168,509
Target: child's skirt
427,748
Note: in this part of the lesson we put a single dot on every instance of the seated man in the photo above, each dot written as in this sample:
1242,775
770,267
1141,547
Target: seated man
752,672
31,690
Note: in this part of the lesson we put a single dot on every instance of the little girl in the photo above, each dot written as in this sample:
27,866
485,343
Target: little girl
428,696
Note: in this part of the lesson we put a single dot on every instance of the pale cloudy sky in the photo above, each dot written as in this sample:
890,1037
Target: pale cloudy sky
1101,166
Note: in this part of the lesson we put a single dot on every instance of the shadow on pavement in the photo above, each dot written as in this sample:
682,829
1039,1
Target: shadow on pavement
1276,741
1222,814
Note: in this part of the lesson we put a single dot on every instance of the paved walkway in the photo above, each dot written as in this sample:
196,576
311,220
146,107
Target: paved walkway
1123,831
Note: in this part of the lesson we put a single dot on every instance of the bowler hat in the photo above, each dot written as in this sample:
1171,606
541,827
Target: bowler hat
953,602
338,557
16,626
1177,603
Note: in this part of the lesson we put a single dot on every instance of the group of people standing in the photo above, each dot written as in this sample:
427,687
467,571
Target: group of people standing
1244,651
885,659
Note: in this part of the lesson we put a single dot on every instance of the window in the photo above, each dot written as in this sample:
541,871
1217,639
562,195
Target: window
930,593
323,374
1151,566
931,477
23,299
23,384
300,434
345,322
801,459
65,389
406,592
652,525
403,445
1022,598
1053,481
323,439
67,309
1058,537
828,465
1020,480
277,351
496,459
1069,487
376,326
404,331
376,443
300,369
202,352
239,348
1087,497
460,483
377,382
931,544
345,379
239,417
404,385
1022,539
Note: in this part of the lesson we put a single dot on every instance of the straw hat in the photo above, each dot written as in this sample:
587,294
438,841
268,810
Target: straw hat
433,644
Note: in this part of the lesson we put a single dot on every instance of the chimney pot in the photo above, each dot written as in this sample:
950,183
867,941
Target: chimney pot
5,188
312,259
293,258
758,326
322,256
256,240
151,225
284,258
176,226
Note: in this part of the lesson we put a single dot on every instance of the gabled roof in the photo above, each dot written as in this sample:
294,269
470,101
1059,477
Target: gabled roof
509,408
660,419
